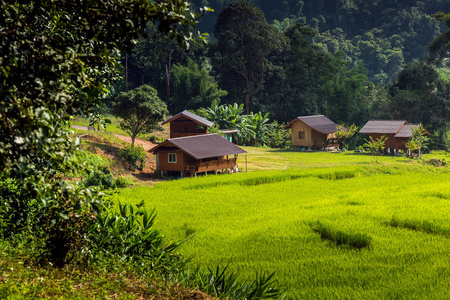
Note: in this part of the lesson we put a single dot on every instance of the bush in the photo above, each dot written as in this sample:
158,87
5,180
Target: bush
134,156
130,237
225,284
153,138
278,137
122,182
101,177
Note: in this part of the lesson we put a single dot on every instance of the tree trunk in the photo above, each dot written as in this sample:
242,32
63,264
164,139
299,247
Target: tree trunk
168,67
133,138
126,72
249,92
247,103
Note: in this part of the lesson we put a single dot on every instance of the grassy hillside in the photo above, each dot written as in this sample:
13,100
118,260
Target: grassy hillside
330,225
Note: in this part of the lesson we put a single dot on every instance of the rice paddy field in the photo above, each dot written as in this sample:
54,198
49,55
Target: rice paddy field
331,226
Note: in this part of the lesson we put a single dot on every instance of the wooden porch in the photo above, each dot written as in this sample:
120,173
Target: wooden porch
211,165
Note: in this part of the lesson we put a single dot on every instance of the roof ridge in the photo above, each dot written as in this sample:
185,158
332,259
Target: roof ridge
311,116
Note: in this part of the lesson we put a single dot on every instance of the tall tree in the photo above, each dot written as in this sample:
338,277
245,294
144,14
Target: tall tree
293,87
141,111
245,40
147,66
420,95
193,87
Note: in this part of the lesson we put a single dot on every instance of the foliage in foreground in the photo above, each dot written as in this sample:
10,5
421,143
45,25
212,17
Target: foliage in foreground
128,240
21,279
56,59
223,283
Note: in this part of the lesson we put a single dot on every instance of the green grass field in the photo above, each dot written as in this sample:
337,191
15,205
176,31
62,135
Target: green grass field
331,226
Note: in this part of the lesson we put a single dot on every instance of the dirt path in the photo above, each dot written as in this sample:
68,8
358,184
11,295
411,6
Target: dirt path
143,143
138,142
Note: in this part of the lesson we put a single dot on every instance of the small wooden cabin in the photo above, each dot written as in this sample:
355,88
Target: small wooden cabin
397,132
314,132
187,156
186,123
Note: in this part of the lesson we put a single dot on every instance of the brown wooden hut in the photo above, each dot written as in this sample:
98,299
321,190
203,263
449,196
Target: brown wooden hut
187,156
186,123
397,132
314,132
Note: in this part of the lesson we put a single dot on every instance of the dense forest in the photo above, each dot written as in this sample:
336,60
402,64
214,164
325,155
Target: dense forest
349,60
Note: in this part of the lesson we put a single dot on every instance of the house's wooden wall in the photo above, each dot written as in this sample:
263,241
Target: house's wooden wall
185,127
312,138
300,126
164,164
393,143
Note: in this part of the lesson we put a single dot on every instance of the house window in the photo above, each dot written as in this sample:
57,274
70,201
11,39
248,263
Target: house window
301,135
172,158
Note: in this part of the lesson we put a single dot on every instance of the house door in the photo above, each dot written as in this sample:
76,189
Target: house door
157,161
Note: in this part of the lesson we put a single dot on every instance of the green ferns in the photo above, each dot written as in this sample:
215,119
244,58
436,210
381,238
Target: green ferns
225,284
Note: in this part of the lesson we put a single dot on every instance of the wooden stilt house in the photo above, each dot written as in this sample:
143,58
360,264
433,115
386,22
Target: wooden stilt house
187,156
397,131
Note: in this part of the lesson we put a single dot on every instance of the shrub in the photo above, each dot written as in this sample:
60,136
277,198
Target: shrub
134,156
122,182
278,137
51,215
436,162
130,236
225,284
153,138
101,177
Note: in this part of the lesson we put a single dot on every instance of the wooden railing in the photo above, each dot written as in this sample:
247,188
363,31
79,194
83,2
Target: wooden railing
212,165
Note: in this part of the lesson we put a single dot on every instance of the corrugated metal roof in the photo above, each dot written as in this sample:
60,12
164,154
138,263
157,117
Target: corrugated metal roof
406,131
383,126
319,123
203,146
190,116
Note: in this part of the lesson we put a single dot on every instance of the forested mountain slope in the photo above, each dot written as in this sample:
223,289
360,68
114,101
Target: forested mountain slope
350,60
383,34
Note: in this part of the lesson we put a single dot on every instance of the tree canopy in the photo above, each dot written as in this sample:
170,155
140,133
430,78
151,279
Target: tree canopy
141,111
245,40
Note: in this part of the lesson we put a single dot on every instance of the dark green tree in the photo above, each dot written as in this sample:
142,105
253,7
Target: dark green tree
147,66
193,87
440,47
420,95
345,94
245,40
140,110
293,87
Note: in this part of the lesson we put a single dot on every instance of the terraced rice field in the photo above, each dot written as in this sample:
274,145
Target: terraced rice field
331,226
